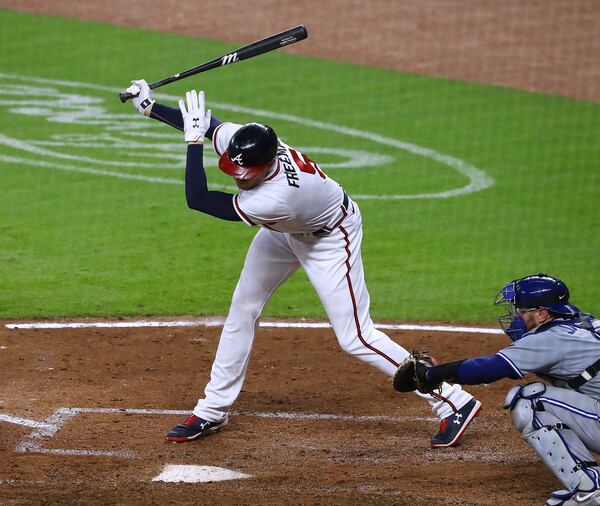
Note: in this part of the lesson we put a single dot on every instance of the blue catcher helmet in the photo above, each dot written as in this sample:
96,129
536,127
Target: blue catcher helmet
532,292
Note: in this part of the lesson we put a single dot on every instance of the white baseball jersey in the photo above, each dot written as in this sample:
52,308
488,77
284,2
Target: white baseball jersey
306,221
296,196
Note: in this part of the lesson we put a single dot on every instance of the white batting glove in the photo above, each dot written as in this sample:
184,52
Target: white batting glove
195,120
142,100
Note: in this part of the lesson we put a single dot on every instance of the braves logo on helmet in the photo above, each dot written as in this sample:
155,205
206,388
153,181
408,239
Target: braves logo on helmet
252,150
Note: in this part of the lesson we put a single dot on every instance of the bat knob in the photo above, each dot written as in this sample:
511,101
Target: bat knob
124,96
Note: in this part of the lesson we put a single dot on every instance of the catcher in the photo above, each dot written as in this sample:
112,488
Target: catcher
553,339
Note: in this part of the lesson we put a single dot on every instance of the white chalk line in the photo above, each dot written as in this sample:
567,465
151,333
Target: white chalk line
334,417
55,421
288,415
13,481
218,322
17,420
49,427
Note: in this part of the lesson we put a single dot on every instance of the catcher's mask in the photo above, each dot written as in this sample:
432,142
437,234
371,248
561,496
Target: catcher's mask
532,292
251,150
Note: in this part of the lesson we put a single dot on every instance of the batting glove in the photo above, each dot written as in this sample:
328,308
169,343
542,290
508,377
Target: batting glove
195,120
142,99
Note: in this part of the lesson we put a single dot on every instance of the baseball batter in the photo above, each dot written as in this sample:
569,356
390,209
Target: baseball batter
555,340
305,219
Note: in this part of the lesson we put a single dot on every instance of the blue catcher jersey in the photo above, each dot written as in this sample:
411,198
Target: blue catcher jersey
558,351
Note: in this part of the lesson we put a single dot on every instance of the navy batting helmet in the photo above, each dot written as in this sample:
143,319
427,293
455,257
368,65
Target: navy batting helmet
251,150
538,291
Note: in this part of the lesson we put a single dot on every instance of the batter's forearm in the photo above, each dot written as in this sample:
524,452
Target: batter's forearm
172,116
198,197
168,115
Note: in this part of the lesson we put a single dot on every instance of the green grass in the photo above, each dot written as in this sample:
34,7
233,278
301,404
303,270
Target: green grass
73,243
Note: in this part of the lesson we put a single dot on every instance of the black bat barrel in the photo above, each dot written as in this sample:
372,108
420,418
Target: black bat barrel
259,47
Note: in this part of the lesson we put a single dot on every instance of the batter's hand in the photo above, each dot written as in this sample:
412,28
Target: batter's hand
195,120
142,99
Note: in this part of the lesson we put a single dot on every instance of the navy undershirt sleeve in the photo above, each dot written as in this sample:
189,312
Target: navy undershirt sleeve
199,198
487,369
172,116
472,371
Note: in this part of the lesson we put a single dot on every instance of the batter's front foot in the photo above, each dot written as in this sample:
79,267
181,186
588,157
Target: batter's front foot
453,427
192,428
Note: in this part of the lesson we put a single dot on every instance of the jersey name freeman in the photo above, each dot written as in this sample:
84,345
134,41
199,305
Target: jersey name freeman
289,170
295,197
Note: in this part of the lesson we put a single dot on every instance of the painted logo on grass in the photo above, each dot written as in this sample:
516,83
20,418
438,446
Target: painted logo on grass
126,145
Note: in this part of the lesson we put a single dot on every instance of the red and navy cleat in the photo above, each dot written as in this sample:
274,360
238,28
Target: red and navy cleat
454,426
193,427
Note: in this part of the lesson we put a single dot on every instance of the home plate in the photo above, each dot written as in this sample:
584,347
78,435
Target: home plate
197,474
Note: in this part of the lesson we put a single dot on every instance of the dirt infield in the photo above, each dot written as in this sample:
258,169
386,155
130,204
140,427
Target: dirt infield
312,425
551,47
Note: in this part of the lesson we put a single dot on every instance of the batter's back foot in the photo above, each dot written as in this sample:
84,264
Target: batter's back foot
453,427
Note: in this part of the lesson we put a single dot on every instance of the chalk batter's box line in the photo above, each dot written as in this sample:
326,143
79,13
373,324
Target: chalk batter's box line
49,427
218,322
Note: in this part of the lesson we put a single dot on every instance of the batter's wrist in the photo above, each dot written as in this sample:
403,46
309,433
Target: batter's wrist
148,109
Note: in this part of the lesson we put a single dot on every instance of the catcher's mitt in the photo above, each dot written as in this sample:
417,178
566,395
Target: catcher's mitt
410,374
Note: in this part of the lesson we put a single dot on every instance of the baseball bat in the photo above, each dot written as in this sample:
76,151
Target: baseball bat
285,38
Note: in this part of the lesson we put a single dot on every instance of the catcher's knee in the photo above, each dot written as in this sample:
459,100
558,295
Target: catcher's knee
546,435
522,416
522,401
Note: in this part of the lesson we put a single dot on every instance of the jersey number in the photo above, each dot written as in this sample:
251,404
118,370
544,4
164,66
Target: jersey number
305,164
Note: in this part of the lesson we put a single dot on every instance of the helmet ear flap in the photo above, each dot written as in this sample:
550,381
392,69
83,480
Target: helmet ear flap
229,167
251,149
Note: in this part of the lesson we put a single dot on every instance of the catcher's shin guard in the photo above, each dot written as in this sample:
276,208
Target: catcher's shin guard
559,447
551,448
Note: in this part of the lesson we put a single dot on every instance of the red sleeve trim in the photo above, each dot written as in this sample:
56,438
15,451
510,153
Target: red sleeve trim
241,213
214,139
